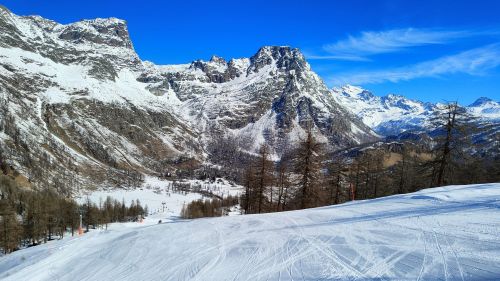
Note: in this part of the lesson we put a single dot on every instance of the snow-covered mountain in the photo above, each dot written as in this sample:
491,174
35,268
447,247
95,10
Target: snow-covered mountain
394,114
486,109
78,105
273,93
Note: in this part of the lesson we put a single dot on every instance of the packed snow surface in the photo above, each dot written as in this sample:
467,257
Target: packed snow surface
447,233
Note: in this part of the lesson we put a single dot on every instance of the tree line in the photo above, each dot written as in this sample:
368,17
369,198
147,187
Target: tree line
30,217
311,174
308,175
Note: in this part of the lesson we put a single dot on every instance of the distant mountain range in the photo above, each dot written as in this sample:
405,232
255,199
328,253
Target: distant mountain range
78,105
394,114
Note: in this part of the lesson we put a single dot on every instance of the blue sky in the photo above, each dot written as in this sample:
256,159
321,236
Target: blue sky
428,50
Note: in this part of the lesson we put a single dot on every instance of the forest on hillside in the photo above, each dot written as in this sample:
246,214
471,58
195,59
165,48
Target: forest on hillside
29,218
309,175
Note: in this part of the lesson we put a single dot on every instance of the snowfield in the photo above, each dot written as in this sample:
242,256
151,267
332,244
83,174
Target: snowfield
153,192
447,233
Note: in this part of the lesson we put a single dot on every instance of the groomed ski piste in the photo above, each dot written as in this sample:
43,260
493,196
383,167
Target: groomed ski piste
446,233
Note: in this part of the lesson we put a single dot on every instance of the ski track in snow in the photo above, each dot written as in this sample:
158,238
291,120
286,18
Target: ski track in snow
448,233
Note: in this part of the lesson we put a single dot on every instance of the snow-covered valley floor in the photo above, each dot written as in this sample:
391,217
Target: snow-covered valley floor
448,233
154,192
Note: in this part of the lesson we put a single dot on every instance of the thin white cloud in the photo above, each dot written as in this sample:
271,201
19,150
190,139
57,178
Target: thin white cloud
473,62
332,57
378,42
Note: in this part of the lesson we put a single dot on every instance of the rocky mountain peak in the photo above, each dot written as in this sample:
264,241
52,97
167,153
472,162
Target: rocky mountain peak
485,108
108,31
480,101
4,11
355,92
56,41
6,16
43,23
217,59
285,57
398,101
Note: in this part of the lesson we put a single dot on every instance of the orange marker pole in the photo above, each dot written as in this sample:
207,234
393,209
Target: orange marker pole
80,228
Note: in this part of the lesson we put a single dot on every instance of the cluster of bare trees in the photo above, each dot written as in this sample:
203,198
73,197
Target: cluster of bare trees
110,210
214,207
30,217
453,157
292,182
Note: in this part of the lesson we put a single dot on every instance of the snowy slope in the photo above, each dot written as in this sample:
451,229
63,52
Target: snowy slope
447,233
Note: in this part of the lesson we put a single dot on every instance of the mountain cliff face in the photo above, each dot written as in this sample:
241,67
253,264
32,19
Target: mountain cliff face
273,94
77,105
